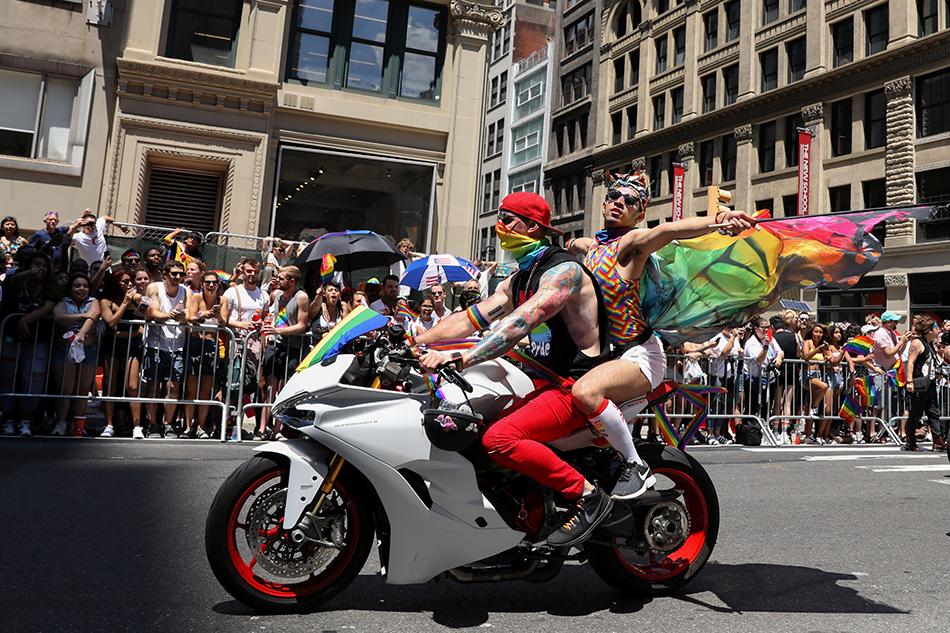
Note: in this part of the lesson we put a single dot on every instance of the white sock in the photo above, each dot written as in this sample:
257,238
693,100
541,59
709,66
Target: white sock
610,420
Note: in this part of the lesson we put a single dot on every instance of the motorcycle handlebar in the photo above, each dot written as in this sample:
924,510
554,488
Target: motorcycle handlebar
446,371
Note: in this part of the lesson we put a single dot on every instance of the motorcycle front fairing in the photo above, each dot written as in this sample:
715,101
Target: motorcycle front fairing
380,433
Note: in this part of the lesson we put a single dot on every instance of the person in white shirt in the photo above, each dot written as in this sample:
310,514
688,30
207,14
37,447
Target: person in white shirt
164,346
407,248
241,304
89,236
724,360
426,320
386,304
437,298
760,350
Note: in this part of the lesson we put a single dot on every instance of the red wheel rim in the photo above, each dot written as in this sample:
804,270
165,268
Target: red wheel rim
312,585
679,560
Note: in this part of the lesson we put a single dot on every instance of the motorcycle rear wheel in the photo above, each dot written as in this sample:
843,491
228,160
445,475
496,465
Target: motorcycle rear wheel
659,574
252,555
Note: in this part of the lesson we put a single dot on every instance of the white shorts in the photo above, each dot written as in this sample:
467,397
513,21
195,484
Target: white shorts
650,358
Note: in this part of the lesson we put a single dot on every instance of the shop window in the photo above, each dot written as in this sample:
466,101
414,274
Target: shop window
930,294
867,296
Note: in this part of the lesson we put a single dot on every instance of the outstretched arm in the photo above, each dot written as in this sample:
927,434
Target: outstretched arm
579,246
646,241
460,324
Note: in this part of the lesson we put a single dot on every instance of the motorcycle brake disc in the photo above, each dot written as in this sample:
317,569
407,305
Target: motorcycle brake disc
275,551
666,526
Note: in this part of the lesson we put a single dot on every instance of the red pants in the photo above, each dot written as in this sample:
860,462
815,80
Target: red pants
516,440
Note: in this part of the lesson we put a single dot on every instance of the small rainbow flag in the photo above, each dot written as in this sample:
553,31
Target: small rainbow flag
282,319
223,276
405,313
859,345
358,322
850,410
866,393
327,265
898,374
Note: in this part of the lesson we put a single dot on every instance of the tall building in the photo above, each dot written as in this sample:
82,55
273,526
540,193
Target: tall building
723,85
516,112
285,117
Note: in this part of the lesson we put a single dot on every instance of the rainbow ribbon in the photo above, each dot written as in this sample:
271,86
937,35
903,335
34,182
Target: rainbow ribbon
697,395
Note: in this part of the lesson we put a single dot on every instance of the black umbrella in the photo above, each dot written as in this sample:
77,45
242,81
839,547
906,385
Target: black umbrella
354,250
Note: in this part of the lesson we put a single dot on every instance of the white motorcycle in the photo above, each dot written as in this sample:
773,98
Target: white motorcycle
294,524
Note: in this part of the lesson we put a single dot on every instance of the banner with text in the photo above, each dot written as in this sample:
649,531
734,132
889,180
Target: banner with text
679,183
804,169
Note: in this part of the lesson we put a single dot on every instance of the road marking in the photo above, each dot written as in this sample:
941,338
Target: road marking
823,449
922,468
845,458
941,481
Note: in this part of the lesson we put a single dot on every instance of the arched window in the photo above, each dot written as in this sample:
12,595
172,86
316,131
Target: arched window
626,18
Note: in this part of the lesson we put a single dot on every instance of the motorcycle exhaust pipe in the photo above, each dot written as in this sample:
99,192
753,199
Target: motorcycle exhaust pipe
464,574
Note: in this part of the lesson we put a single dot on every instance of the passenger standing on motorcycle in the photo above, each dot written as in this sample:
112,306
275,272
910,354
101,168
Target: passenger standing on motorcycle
616,257
554,301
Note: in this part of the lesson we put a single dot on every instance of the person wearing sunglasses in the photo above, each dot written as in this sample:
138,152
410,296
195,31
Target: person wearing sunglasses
131,259
552,289
202,362
164,360
617,256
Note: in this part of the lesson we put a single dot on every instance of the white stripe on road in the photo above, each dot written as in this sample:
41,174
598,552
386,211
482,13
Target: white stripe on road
822,449
940,481
922,468
846,458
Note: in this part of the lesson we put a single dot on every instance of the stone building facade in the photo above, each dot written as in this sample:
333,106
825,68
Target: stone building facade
723,85
265,116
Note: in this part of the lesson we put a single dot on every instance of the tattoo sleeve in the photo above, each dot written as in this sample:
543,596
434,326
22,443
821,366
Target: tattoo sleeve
557,287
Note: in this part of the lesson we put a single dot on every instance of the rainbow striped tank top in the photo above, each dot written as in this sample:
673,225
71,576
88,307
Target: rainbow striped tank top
621,297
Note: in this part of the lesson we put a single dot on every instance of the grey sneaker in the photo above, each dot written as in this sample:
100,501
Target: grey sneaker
170,433
635,479
589,512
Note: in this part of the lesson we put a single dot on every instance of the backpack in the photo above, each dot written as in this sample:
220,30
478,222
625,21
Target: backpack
748,434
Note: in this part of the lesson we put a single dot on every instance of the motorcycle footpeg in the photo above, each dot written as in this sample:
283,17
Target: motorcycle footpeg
650,498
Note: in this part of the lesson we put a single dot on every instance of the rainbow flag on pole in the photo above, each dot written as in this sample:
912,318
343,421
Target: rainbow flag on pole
850,410
358,322
327,267
859,345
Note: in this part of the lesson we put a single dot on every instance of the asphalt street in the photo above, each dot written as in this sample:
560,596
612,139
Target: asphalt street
107,535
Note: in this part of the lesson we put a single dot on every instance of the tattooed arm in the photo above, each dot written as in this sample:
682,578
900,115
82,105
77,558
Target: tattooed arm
557,287
458,324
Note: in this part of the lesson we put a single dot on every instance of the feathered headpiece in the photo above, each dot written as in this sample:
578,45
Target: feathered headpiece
636,180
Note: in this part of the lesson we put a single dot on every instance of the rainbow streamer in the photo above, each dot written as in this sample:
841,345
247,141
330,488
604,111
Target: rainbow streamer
696,395
667,430
358,322
859,345
327,266
850,410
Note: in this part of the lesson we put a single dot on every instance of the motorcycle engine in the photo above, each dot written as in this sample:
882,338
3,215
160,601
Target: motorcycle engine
666,526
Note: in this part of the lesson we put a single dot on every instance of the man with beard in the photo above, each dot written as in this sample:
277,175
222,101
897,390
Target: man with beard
555,302
617,257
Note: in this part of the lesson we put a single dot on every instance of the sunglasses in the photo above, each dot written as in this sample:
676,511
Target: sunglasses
177,273
628,198
507,217
436,294
134,259
211,282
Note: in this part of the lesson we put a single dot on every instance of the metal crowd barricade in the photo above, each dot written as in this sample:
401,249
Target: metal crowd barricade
274,359
42,367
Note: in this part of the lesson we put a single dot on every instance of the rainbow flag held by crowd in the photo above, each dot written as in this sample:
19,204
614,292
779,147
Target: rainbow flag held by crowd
867,395
223,276
405,313
179,255
327,267
898,374
859,345
850,410
282,319
361,320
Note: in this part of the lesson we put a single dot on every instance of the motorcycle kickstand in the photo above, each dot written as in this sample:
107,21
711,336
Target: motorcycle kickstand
310,524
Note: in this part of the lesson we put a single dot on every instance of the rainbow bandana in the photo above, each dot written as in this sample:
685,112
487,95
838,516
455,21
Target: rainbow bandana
524,249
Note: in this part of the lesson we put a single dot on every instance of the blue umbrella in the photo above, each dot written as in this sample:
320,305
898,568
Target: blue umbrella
437,269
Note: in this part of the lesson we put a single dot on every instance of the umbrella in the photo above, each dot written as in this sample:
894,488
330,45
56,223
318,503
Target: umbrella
436,269
353,250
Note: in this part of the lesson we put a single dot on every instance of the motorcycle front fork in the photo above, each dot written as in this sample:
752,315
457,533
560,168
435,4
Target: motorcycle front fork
311,524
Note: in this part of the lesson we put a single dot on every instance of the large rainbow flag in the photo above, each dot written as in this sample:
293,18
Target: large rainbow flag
361,320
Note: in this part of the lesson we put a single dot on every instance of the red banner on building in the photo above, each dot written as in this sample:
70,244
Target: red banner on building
804,169
679,183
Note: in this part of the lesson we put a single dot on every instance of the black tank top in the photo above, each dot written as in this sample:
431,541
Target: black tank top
551,343
922,359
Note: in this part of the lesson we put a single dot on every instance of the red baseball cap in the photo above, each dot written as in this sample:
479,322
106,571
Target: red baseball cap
529,206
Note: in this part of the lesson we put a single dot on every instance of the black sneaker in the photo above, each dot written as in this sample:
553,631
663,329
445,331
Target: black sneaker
590,511
635,479
155,431
170,432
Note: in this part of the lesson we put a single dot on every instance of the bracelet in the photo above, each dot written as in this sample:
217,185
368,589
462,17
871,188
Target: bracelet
567,245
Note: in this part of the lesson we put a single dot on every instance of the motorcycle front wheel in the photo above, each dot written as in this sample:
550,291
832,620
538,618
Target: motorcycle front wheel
634,572
253,556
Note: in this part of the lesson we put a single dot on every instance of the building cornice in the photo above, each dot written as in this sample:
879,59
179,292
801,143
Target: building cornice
475,19
910,58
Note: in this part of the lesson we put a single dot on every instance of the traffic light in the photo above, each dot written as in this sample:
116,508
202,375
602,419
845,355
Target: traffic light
716,199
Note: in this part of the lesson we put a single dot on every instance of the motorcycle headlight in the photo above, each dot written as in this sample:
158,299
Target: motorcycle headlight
296,418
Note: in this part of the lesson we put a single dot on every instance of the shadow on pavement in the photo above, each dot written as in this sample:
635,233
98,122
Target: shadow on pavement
741,588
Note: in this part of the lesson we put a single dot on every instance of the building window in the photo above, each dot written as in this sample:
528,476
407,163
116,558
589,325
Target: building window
768,62
875,120
40,118
659,112
679,46
705,163
502,87
733,11
621,22
529,95
769,11
841,127
500,137
876,29
581,193
792,123
576,84
183,197
764,205
842,35
582,123
559,130
766,147
524,181
796,5
710,30
790,205
933,103
926,17
486,194
930,294
840,198
205,32
526,142
676,103
660,54
569,198
796,59
616,127
730,84
933,187
390,47
490,140
727,161
579,35
662,6
865,297
496,189
709,92
875,193
631,122
656,172
619,79
634,57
